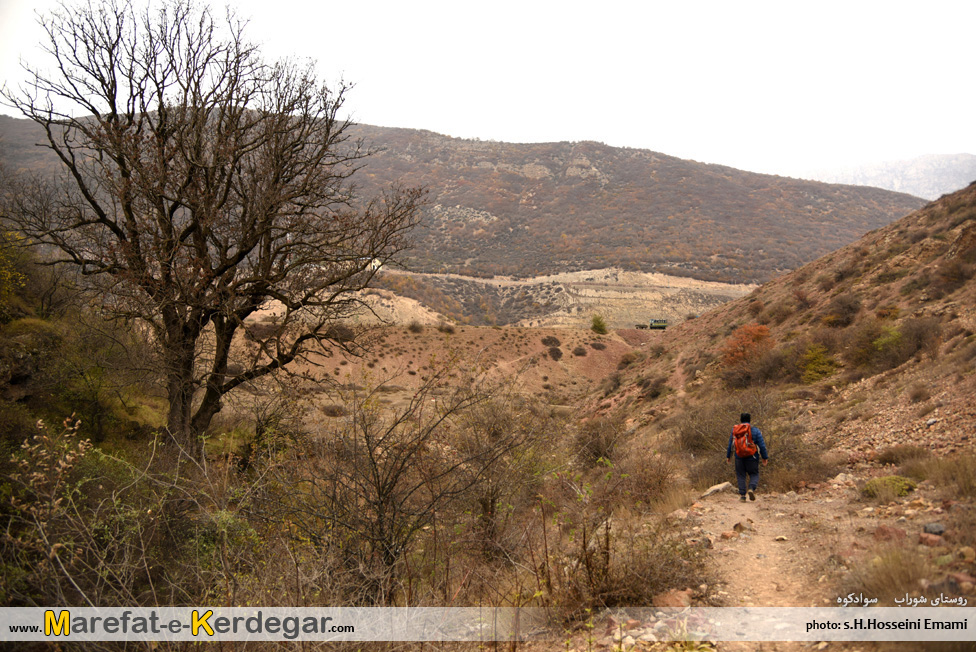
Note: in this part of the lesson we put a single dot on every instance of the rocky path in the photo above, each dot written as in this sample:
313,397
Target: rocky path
800,549
771,552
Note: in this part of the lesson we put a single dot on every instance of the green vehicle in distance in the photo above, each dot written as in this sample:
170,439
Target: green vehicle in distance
654,324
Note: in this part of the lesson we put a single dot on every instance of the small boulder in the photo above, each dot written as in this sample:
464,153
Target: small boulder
930,540
934,528
678,515
967,554
673,598
714,489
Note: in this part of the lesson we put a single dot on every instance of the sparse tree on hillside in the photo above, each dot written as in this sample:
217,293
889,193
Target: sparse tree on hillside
202,184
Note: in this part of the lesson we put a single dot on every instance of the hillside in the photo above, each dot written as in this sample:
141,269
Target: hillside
858,368
537,209
925,176
886,308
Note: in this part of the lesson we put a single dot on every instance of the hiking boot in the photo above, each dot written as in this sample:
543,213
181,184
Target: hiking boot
751,494
743,499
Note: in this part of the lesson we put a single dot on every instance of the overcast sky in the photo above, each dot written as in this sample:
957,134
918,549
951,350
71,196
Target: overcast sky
783,87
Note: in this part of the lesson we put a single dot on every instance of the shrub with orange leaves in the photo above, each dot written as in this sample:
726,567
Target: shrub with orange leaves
746,344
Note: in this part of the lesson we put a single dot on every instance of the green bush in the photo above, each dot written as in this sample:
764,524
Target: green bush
895,485
816,364
880,345
598,325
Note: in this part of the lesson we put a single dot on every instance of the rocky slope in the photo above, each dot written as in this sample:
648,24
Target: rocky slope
859,366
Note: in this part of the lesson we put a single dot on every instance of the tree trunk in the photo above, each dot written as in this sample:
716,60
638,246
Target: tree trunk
179,356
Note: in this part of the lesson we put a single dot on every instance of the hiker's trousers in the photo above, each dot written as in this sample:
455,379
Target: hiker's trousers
747,466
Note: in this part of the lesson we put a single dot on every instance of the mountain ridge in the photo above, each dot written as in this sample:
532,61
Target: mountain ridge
534,209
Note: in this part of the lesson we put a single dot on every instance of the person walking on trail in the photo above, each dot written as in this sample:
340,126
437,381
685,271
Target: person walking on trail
746,441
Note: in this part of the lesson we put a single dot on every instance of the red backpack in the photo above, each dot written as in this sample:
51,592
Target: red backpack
742,440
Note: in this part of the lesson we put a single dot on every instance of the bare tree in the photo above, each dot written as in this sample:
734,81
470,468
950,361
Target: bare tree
368,489
202,185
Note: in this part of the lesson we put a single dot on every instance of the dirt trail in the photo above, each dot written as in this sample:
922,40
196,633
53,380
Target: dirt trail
777,551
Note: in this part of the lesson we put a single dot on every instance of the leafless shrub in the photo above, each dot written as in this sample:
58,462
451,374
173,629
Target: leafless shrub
902,453
550,341
896,567
606,561
842,310
611,384
919,393
598,438
628,359
334,411
382,477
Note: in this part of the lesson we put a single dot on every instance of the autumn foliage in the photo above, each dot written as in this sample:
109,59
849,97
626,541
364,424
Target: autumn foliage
746,344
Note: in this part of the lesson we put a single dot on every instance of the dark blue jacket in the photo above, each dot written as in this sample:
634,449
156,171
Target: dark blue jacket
757,439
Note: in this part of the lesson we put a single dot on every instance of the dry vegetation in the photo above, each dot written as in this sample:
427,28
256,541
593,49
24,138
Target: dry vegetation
453,465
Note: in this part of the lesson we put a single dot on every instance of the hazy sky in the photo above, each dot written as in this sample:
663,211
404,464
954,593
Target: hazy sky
782,86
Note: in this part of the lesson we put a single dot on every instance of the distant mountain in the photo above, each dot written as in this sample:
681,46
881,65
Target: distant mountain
533,209
546,208
926,176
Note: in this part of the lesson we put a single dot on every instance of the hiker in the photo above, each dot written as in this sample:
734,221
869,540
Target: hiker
747,443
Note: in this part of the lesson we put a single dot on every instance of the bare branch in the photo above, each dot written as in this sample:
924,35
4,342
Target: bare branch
202,183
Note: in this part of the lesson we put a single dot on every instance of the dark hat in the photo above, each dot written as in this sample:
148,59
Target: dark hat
745,417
